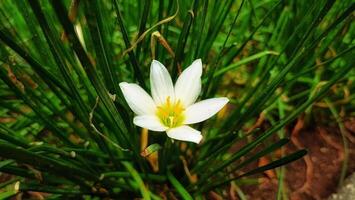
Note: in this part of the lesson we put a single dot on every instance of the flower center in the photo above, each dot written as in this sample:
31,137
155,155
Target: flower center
171,114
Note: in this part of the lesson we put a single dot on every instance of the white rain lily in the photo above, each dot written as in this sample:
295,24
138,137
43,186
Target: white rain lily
172,108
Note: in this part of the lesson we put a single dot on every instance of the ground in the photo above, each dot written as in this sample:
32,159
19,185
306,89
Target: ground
317,175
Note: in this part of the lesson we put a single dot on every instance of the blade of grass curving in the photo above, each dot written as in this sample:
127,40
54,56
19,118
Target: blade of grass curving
283,161
177,185
253,158
281,191
281,106
338,119
142,36
239,63
144,191
240,193
208,158
260,154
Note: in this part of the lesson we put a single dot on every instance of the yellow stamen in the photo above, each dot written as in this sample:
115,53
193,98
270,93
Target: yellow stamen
171,114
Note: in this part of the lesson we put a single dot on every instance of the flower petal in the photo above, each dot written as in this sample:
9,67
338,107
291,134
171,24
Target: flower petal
161,83
203,110
138,100
188,85
150,122
185,133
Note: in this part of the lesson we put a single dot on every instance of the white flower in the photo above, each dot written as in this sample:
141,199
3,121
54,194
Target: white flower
172,108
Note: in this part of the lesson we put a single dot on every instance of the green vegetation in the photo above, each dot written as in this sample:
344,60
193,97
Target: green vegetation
66,129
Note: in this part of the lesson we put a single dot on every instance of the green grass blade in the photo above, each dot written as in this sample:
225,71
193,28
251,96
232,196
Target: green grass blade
47,76
10,136
182,40
97,30
241,62
177,185
132,56
120,128
280,162
144,191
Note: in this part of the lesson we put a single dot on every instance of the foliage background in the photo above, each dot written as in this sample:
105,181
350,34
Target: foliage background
63,132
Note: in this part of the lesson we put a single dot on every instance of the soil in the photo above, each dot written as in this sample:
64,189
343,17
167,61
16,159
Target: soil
316,176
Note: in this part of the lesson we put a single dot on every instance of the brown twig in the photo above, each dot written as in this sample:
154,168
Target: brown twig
309,165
